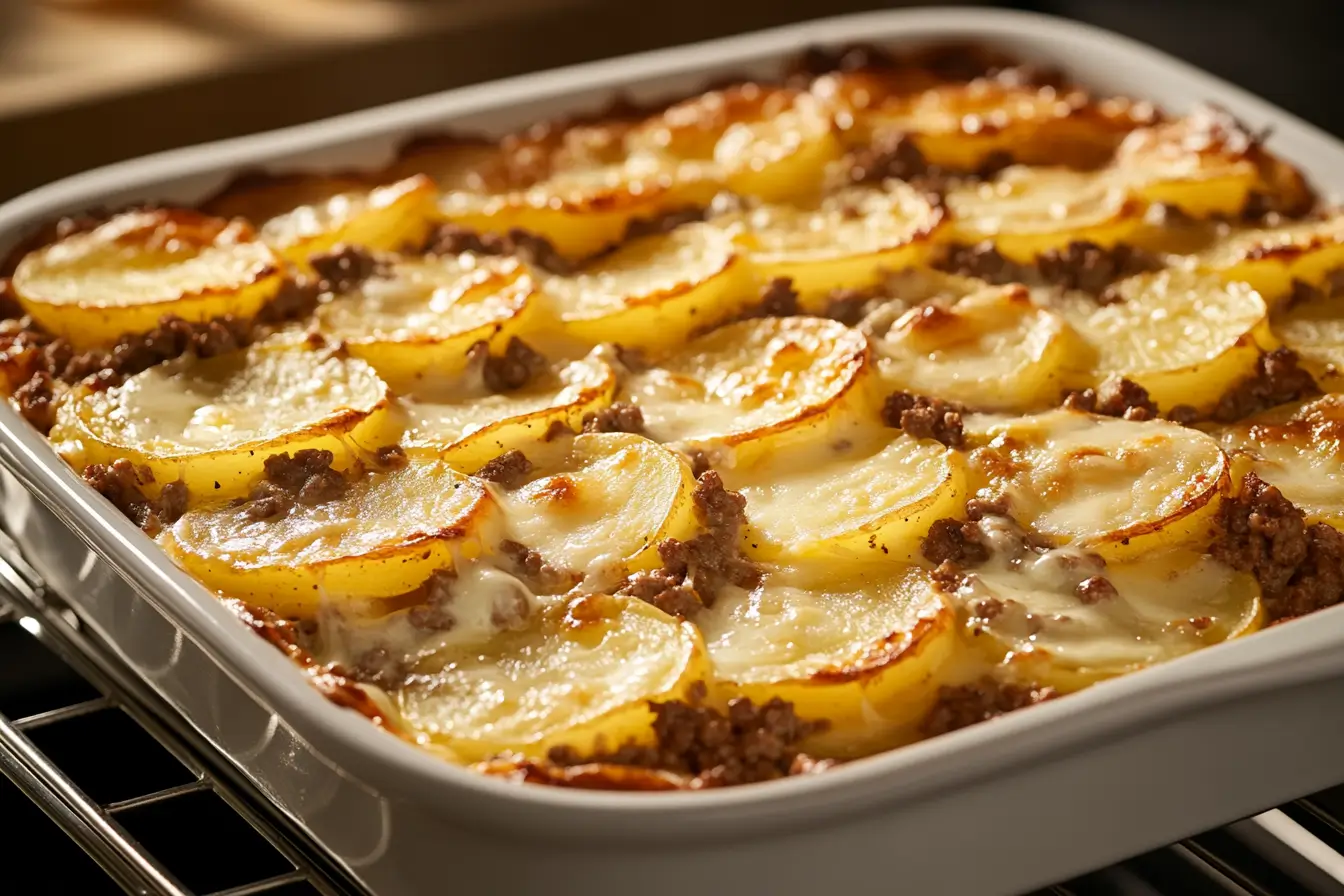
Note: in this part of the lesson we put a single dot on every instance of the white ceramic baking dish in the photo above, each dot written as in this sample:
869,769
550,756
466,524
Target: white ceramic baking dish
998,808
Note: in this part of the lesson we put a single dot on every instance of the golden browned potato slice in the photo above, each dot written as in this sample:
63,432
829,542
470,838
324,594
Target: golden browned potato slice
1270,259
962,126
582,210
1315,330
580,675
1298,449
469,428
653,292
1164,605
1205,164
769,142
755,386
850,239
211,423
1183,336
870,501
1028,211
602,506
1119,487
994,350
302,216
124,275
382,539
424,314
863,652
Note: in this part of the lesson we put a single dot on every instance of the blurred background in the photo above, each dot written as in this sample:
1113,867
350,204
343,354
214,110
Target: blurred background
86,82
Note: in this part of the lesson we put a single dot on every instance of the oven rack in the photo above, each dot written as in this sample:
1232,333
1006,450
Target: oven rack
162,813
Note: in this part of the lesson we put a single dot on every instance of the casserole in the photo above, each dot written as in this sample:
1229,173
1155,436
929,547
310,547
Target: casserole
1208,727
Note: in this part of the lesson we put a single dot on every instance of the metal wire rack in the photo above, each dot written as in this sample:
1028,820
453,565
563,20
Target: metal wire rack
159,812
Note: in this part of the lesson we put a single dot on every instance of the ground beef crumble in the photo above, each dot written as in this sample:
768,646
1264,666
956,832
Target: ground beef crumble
1277,379
531,567
925,418
509,470
745,745
1115,398
1090,268
1300,567
344,268
390,457
120,482
453,239
509,371
693,571
778,298
36,400
960,706
305,478
619,417
661,224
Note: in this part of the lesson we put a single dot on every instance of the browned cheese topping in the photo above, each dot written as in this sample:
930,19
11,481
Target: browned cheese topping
120,483
961,706
693,571
746,745
1300,568
925,418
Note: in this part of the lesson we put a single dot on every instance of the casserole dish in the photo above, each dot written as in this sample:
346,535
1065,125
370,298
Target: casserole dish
1118,768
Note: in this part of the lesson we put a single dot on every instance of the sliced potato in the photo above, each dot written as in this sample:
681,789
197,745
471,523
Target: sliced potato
126,274
781,158
303,216
1299,450
1165,605
1204,164
873,502
755,385
1121,488
211,423
1270,259
380,540
653,292
604,507
582,210
425,313
994,350
469,429
1028,211
579,676
1315,330
1183,336
961,126
864,654
850,239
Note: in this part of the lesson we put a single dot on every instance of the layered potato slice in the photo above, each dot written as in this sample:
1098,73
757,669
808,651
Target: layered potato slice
580,675
755,386
768,142
864,652
210,424
1183,336
303,215
124,275
870,501
851,238
1314,328
961,126
1206,163
1299,449
1027,211
994,349
423,314
653,292
380,540
602,504
1164,605
1271,258
1121,488
468,428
